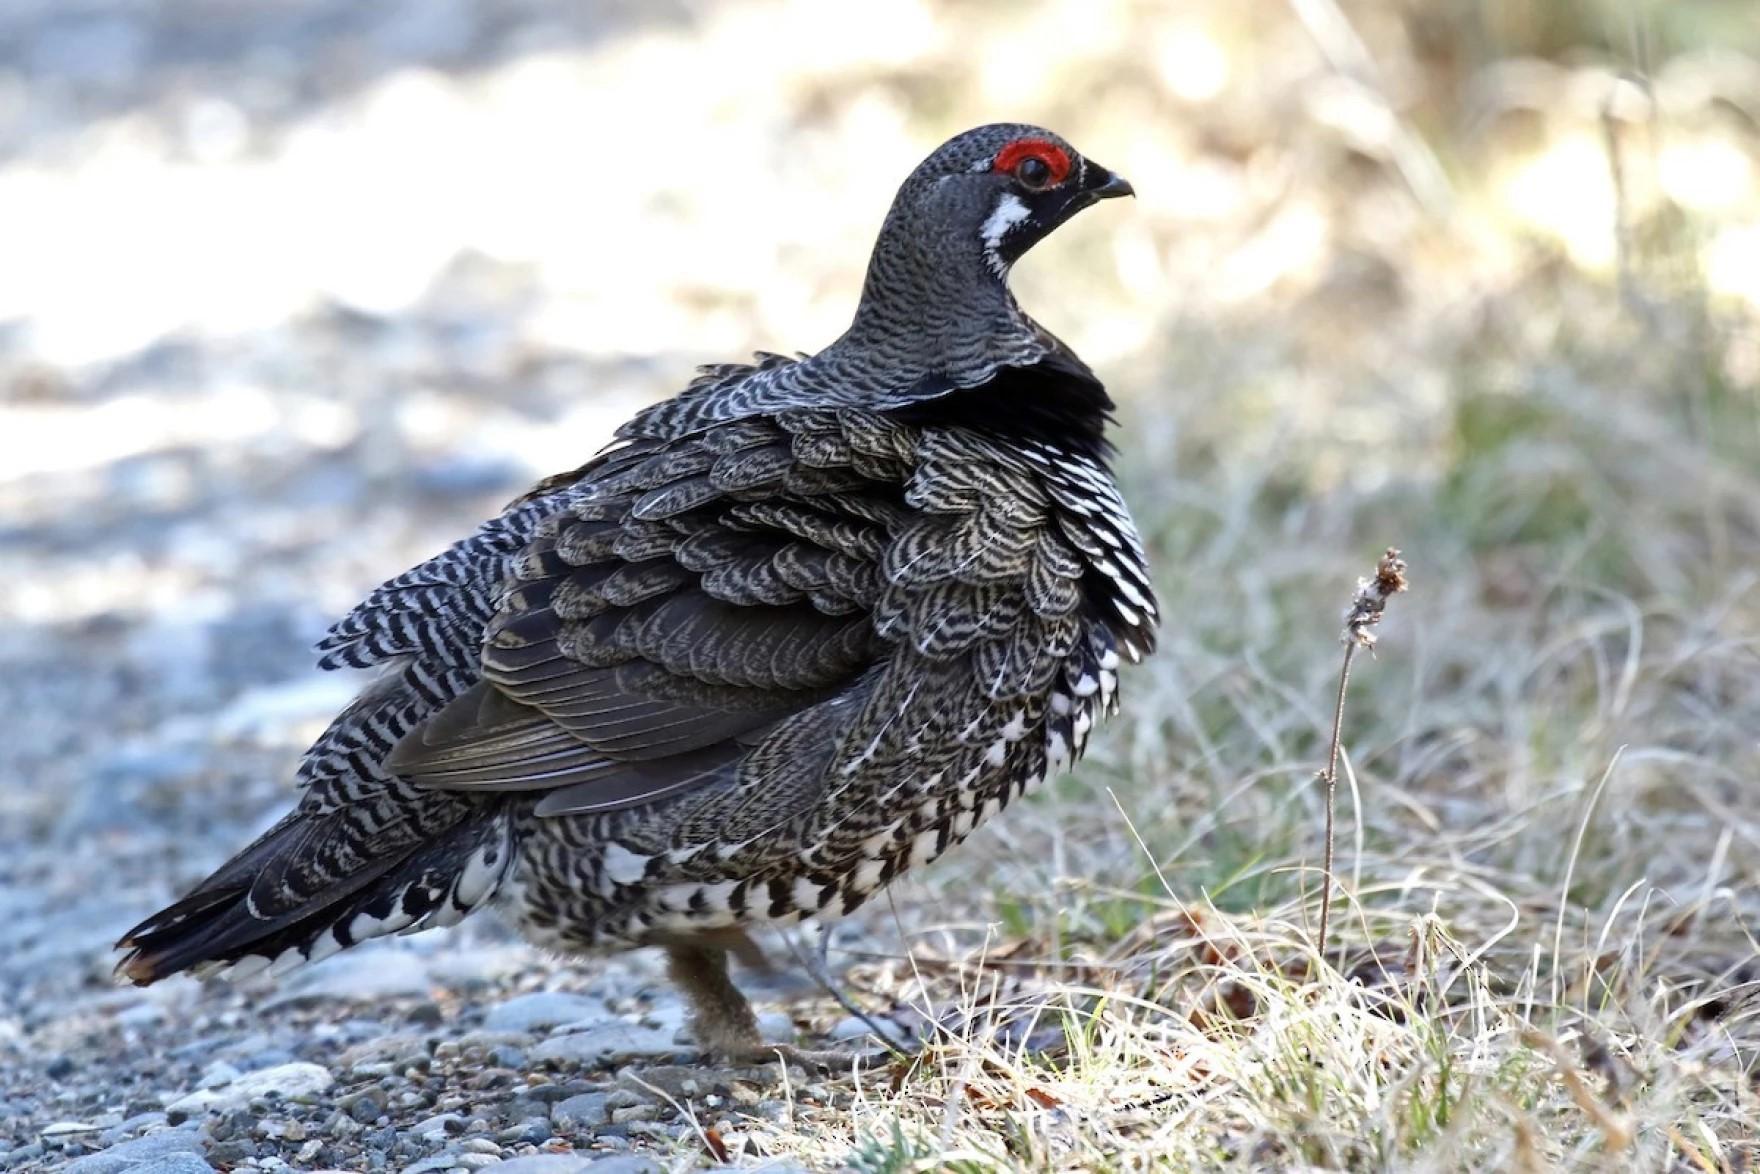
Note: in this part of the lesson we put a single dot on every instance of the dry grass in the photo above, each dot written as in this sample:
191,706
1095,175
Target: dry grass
1544,958
1549,857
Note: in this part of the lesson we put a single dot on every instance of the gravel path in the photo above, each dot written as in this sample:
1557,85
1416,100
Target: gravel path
182,513
157,693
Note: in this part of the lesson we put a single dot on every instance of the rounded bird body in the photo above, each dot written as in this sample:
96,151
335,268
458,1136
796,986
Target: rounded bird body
802,628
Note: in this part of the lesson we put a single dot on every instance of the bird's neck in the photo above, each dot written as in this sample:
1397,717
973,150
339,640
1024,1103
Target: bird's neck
938,302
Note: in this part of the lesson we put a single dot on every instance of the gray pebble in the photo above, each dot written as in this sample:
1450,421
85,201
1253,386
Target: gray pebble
678,1081
630,1113
217,1074
531,1131
374,973
427,1014
131,1126
849,1027
268,1058
529,1013
574,1164
231,1153
173,1164
129,1155
626,1164
587,1109
623,1098
604,1042
438,1126
551,1093
285,1080
365,1107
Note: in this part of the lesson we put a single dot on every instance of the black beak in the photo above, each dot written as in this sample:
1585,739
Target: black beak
1102,184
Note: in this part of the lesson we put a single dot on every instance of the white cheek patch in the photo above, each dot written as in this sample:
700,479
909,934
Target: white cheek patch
1010,211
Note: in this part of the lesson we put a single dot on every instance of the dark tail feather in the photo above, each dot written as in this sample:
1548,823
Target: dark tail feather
298,894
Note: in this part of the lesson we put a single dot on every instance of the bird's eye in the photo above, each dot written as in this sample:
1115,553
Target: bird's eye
1033,172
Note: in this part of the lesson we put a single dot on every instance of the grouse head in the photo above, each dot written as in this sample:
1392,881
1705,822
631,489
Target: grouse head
963,217
998,190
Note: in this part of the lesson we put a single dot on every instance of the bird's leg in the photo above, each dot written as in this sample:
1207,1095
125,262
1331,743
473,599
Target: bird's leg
720,1016
723,1020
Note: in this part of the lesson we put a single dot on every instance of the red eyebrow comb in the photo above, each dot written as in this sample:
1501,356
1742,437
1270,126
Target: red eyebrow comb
1049,153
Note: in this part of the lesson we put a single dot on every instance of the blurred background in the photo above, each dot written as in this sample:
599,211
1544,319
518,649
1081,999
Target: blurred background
294,293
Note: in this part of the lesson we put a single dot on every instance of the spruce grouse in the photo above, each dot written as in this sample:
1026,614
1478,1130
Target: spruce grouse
798,629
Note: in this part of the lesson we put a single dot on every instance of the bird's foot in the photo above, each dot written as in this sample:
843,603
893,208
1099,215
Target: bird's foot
815,959
822,1059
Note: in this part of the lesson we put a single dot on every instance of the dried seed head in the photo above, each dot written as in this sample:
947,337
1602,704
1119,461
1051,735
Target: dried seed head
1371,599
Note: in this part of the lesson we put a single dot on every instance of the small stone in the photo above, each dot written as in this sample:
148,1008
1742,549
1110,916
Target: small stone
131,1155
573,1164
68,1129
173,1164
678,1081
217,1075
587,1109
531,1131
427,1014
630,1113
850,1027
231,1153
491,1078
625,1164
438,1126
400,1051
606,1042
529,1013
136,1122
380,973
520,1108
479,1145
365,1107
551,1093
59,1068
284,1080
476,1161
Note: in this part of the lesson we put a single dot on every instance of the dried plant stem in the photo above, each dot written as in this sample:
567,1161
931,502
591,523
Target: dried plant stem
1330,777
1364,612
